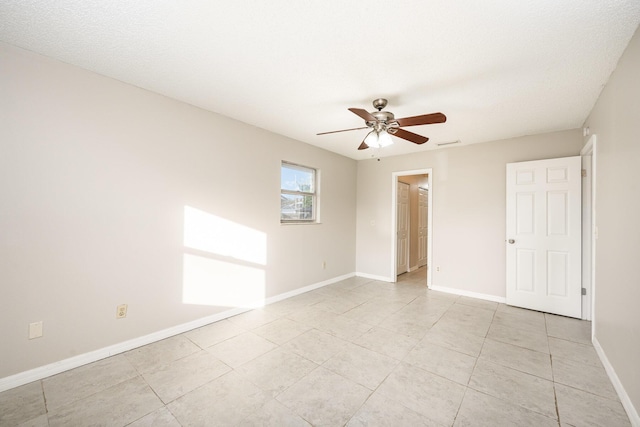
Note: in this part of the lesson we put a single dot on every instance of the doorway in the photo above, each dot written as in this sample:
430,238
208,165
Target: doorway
419,253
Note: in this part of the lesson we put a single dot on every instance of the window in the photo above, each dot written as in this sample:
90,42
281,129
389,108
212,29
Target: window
298,193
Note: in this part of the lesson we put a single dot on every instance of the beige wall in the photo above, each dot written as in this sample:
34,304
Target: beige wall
468,191
614,120
94,178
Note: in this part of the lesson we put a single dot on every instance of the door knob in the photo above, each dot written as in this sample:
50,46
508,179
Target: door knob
511,241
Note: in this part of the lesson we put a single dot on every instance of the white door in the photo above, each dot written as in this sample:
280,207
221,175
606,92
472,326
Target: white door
403,228
423,202
544,235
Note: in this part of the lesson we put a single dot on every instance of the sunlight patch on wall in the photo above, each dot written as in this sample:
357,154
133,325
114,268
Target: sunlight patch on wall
209,233
228,268
214,282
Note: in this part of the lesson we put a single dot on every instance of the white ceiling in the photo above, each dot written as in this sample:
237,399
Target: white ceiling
496,68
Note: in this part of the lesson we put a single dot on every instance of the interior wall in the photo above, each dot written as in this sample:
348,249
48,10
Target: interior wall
614,120
95,176
468,194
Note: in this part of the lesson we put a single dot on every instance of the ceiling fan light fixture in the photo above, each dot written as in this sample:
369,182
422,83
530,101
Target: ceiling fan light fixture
372,140
377,139
384,139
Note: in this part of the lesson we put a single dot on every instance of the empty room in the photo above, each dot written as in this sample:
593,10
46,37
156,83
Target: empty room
319,213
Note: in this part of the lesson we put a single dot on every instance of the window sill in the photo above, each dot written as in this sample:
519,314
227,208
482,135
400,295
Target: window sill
300,223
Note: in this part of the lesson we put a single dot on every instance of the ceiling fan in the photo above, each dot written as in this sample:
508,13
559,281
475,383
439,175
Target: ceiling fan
383,124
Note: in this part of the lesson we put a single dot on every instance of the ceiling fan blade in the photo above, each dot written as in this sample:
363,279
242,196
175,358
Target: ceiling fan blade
426,119
336,131
363,146
363,114
410,136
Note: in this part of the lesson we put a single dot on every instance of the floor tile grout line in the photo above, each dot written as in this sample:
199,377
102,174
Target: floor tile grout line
75,402
510,402
599,396
122,380
44,398
455,417
164,405
507,401
469,386
555,394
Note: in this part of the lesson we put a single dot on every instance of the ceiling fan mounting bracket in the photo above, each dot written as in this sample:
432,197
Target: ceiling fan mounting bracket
379,103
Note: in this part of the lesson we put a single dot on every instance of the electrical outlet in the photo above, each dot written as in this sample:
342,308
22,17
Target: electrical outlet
121,312
438,268
35,330
324,265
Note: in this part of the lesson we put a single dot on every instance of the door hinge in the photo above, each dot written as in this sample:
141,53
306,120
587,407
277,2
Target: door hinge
584,291
584,173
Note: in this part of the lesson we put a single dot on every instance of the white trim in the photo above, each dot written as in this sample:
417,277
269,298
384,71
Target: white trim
632,412
394,224
376,277
464,293
299,291
591,148
587,235
45,371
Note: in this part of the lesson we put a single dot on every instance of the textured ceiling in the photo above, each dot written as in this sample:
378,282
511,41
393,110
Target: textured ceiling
497,69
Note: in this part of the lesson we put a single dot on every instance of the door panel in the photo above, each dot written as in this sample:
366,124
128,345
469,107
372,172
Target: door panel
557,213
525,269
544,235
525,213
558,273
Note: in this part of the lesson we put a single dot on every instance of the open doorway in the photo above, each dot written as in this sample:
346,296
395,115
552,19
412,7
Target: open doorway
411,216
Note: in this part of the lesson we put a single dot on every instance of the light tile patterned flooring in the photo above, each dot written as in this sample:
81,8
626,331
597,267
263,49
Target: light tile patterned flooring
356,353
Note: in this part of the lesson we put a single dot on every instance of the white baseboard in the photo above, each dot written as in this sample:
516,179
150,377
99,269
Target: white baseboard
299,291
468,294
92,356
416,267
632,413
375,277
54,368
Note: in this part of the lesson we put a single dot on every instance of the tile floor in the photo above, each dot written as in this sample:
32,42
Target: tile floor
355,353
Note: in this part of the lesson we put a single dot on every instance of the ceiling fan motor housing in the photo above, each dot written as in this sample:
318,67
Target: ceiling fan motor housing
384,119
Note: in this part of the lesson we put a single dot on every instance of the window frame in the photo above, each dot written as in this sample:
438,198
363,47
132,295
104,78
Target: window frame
313,194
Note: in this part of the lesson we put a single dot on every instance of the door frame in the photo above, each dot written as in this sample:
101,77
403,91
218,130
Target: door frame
395,177
590,233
